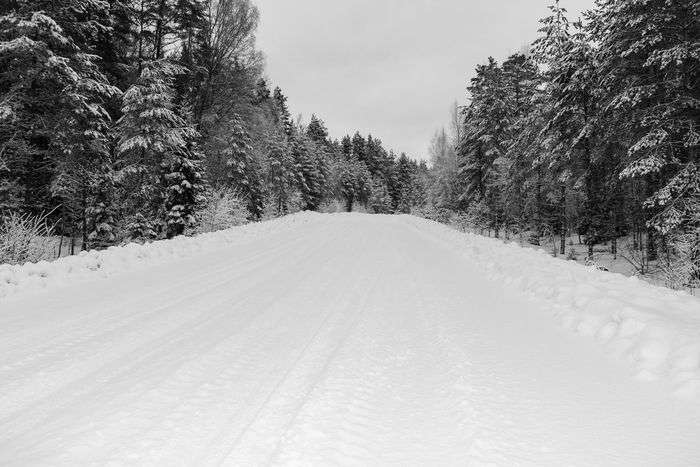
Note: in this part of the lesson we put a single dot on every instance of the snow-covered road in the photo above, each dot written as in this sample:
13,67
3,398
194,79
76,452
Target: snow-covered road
339,340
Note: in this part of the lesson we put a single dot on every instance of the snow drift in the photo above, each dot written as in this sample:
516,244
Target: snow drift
27,278
655,329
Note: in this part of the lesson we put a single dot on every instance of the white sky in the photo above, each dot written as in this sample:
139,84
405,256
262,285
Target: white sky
389,67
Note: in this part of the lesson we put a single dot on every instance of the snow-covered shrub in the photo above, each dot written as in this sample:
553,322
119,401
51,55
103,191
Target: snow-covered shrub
531,237
139,229
681,268
435,213
222,209
379,199
464,222
24,238
638,258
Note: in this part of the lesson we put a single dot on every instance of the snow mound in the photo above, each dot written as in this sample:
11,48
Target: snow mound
30,277
655,329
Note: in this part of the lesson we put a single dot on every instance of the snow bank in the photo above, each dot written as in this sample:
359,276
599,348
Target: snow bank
27,278
655,329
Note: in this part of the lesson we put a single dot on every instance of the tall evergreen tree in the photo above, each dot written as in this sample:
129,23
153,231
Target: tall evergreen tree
284,120
649,60
281,174
53,121
317,131
157,165
244,172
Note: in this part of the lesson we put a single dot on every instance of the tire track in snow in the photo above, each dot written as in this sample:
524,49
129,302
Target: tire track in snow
290,390
142,353
126,309
232,347
127,333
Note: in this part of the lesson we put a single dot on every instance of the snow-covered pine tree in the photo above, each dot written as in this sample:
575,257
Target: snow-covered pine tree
53,122
262,92
359,147
569,76
310,171
405,173
649,59
316,131
380,200
485,140
520,82
101,212
244,172
375,155
184,189
157,167
346,146
281,176
354,183
284,119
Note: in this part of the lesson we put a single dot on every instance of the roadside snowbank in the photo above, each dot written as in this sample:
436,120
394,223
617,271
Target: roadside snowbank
30,277
655,329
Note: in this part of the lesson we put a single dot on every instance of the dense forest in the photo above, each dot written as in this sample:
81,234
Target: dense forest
592,130
126,120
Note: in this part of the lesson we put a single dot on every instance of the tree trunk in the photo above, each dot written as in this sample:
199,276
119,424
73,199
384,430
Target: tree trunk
562,241
83,247
651,245
562,225
160,31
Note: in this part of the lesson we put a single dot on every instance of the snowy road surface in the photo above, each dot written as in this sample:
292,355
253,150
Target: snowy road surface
337,340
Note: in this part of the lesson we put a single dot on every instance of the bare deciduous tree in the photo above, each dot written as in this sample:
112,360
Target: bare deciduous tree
229,43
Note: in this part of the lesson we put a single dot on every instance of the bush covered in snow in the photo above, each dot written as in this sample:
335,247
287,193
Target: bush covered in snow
31,277
24,238
222,209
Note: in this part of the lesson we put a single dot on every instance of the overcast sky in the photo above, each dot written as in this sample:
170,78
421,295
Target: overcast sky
389,67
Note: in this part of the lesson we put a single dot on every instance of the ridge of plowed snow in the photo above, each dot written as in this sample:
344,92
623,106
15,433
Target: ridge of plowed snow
30,277
655,329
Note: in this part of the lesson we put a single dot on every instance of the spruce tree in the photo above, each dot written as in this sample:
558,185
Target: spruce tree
184,189
649,62
346,147
281,176
101,213
359,147
53,121
485,141
244,172
157,163
316,131
309,167
283,118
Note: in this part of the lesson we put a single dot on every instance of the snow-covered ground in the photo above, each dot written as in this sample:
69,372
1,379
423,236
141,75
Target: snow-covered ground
343,340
